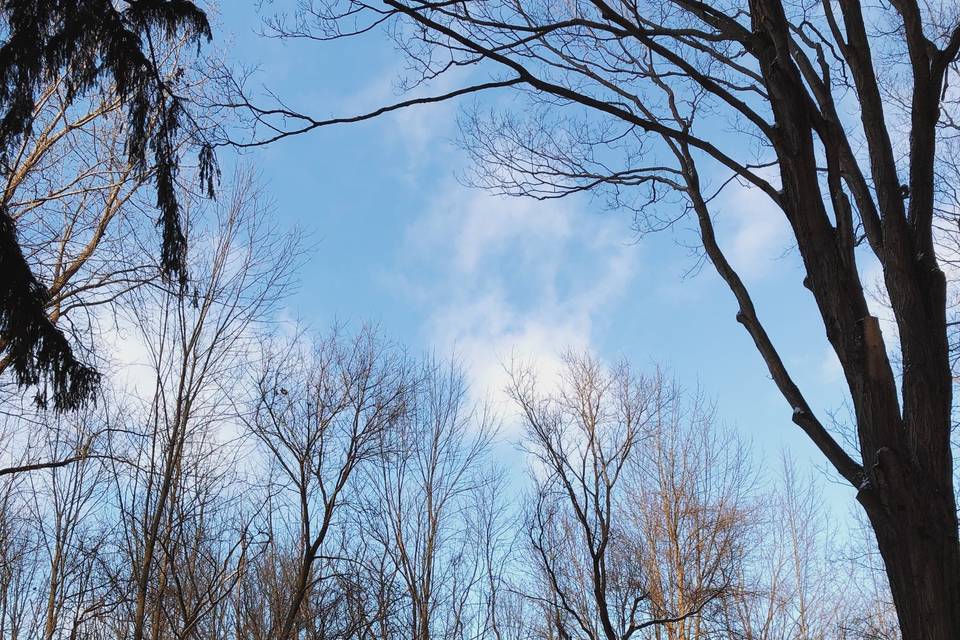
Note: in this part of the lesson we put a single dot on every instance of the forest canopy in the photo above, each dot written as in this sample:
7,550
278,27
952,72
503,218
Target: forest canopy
179,458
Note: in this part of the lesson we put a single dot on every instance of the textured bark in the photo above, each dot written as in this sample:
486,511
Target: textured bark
916,528
906,487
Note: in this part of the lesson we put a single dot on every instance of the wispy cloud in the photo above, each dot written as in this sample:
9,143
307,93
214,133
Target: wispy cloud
507,279
757,233
418,129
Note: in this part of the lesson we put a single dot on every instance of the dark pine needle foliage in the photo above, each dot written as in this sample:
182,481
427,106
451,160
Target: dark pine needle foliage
89,44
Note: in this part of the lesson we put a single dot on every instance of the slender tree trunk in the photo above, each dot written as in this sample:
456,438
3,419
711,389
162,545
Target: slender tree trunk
50,627
302,584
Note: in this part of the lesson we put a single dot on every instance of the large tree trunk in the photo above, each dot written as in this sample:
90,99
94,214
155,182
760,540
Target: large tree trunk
906,480
914,518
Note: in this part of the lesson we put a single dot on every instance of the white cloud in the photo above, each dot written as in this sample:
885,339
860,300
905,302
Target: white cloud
131,358
509,279
416,129
760,232
475,228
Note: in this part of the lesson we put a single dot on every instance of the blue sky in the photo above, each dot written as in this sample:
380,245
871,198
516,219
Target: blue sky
440,267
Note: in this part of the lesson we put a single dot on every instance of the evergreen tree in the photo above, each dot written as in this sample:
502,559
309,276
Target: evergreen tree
91,45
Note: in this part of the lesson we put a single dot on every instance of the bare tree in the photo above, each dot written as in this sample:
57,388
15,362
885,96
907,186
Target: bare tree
867,609
64,504
200,346
639,509
646,99
581,441
790,587
693,516
428,511
319,415
18,544
139,526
